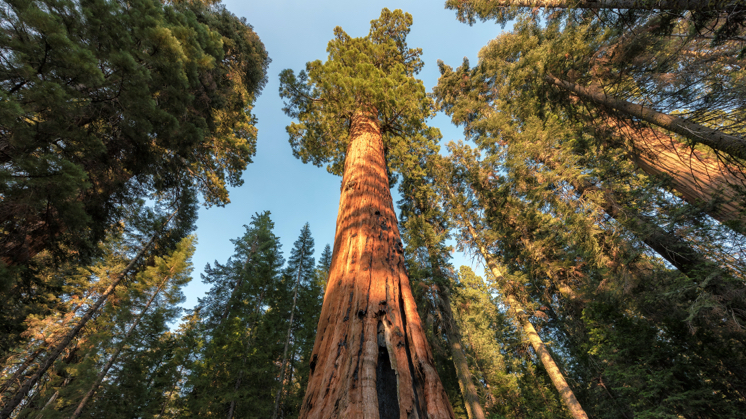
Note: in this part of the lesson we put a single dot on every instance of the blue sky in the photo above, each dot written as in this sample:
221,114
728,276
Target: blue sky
295,32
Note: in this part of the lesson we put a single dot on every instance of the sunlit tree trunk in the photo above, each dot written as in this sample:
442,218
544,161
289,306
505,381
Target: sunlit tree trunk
717,140
568,397
698,178
370,358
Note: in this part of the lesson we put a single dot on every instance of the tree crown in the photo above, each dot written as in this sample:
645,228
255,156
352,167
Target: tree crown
373,74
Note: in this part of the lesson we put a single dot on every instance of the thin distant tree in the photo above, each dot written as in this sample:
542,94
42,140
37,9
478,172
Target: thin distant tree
465,222
300,267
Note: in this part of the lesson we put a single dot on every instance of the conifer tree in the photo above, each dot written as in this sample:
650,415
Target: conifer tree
424,231
323,267
603,81
171,272
464,218
106,102
362,111
301,269
234,374
572,270
111,276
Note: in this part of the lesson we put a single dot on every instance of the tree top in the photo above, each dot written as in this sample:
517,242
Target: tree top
373,74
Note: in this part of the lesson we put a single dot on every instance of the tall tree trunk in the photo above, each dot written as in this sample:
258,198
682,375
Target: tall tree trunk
11,405
370,358
698,178
676,5
717,140
290,332
465,380
568,397
115,355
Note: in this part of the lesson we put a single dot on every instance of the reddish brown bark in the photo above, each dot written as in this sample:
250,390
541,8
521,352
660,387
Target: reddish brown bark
697,177
716,139
371,358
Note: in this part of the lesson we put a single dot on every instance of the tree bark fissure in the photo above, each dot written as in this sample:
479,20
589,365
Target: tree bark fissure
368,285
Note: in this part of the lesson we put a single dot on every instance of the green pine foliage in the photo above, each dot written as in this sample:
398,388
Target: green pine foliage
104,102
301,266
241,333
131,386
372,74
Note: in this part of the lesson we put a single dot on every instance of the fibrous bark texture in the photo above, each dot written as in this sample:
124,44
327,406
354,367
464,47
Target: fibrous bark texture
371,358
717,140
698,178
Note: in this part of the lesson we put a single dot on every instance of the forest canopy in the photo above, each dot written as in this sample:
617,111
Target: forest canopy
600,181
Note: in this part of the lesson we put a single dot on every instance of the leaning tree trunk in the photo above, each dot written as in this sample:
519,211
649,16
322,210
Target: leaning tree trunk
113,359
21,393
700,179
370,358
717,140
568,397
465,380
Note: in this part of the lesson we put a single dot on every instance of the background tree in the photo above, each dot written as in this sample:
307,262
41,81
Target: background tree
242,331
106,102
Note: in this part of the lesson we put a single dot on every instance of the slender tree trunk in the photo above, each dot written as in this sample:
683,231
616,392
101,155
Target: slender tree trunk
115,355
677,5
16,377
568,397
726,143
237,385
465,380
287,339
370,358
699,179
11,405
453,333
51,400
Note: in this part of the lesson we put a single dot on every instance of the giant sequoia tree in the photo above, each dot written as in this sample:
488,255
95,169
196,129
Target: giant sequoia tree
362,111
